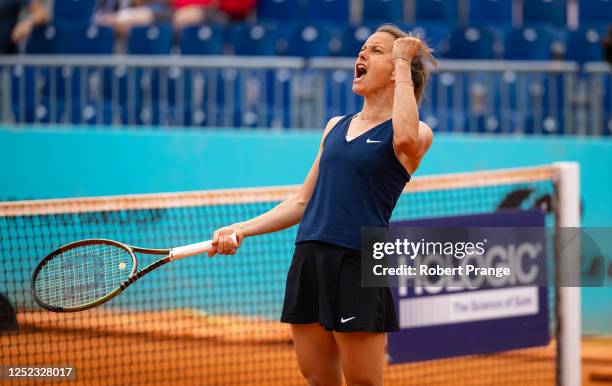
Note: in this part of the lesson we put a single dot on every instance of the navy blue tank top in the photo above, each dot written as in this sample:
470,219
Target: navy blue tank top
358,185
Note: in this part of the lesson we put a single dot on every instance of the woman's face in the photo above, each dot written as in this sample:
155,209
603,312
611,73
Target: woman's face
374,65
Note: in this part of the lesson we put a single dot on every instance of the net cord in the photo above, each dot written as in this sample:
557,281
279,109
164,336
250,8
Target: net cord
268,194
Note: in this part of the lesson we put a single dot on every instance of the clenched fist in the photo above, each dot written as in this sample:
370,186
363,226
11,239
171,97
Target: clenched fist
406,48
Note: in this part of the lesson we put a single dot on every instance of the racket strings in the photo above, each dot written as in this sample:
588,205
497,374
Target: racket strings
83,274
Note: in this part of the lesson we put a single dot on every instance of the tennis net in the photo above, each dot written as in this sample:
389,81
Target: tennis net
214,321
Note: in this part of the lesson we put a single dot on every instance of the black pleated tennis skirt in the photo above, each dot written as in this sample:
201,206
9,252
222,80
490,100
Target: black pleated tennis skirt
324,286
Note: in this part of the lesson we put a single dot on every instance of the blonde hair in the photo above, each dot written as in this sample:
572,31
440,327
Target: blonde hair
421,65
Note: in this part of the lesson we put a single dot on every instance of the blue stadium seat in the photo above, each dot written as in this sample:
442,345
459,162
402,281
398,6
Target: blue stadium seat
279,10
279,81
447,120
68,39
144,83
383,10
38,112
335,10
254,39
584,45
263,94
233,98
150,40
73,12
91,40
63,111
23,92
543,125
442,91
529,43
534,102
282,35
202,40
156,113
595,11
309,40
336,34
485,124
487,12
435,34
84,83
607,104
445,11
530,102
90,113
340,99
208,97
43,40
471,43
353,39
545,11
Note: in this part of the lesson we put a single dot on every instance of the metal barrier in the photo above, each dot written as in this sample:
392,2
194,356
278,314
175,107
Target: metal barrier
597,84
144,90
490,96
226,91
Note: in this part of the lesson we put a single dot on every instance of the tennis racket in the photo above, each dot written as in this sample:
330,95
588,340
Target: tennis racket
87,273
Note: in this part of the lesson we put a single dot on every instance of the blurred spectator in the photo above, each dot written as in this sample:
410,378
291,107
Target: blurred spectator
17,19
123,15
195,12
607,46
238,9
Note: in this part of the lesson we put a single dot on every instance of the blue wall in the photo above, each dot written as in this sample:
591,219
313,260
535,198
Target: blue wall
67,163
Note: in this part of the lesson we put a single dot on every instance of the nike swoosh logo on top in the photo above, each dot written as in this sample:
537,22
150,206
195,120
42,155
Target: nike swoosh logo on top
372,141
342,320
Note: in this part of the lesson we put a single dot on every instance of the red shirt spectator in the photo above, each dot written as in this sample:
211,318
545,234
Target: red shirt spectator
236,9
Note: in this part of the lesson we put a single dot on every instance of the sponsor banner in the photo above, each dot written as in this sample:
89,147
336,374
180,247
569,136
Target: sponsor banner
444,317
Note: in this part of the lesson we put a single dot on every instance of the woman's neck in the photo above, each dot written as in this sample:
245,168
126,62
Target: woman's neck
377,107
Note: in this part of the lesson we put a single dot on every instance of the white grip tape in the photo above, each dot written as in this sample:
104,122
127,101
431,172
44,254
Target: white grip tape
194,249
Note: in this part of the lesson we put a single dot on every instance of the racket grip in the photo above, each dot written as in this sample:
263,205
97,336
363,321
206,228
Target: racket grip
194,249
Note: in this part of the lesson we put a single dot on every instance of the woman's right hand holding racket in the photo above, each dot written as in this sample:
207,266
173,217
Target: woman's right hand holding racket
223,244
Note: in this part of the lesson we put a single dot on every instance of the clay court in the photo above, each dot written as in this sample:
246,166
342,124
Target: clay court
187,348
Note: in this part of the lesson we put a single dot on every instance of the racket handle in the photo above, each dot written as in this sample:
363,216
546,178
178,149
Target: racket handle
194,249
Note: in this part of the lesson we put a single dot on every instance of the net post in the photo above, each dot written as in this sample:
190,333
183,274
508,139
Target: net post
569,328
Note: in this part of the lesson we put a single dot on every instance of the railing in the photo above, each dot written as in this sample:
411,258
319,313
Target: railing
462,96
597,85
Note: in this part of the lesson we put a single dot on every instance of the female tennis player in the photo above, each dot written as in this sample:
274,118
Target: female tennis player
363,164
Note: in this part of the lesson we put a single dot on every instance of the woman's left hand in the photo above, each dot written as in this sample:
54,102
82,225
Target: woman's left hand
406,48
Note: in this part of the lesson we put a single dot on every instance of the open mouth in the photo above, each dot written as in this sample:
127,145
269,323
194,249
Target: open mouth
360,71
